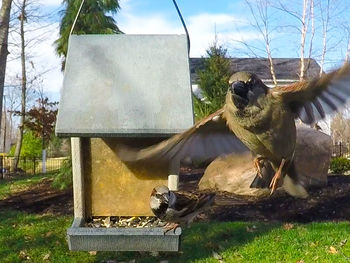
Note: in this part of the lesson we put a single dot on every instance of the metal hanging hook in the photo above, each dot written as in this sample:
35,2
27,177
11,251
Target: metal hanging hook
178,12
76,17
184,25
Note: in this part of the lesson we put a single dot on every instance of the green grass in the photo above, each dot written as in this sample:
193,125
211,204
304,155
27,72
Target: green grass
42,238
20,183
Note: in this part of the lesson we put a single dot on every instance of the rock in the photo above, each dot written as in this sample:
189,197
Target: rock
231,174
312,156
234,174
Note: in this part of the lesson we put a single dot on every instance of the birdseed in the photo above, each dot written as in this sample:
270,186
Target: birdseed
122,222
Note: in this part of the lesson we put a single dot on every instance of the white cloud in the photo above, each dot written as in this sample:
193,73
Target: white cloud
201,28
155,24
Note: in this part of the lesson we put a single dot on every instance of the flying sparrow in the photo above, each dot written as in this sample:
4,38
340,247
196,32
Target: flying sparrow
264,119
256,119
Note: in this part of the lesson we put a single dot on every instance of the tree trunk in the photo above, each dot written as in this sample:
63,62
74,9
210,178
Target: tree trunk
302,41
43,153
3,145
4,29
272,68
312,17
24,89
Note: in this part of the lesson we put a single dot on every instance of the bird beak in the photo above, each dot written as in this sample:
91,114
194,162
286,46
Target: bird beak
153,192
237,88
166,197
239,94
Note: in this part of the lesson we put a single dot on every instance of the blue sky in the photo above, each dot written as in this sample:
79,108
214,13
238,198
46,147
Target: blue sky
230,19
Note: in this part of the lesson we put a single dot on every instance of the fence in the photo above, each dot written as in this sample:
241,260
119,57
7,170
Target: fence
341,150
30,165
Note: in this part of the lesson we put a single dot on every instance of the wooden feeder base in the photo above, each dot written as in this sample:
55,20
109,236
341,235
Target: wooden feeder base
82,238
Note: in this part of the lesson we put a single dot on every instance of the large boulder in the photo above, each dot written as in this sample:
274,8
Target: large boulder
234,174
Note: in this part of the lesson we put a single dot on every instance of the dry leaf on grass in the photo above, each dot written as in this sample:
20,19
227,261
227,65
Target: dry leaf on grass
250,229
216,255
48,234
343,242
332,250
288,226
47,256
23,255
314,244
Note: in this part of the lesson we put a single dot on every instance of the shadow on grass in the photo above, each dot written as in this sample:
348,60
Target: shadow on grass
199,242
202,239
44,236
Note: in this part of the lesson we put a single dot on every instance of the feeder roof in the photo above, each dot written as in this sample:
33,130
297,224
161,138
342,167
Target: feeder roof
125,85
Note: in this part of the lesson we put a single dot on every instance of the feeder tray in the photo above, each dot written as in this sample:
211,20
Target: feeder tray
121,89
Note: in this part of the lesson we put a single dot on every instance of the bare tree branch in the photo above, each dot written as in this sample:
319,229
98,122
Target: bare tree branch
22,19
347,52
302,39
262,16
325,23
312,18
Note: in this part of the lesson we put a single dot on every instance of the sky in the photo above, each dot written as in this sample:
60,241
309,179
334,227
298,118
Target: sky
229,20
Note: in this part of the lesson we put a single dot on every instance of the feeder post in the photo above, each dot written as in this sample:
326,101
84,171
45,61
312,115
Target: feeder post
173,177
78,178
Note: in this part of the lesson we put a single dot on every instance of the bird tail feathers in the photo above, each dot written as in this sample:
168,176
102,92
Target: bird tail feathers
260,182
294,188
264,180
207,200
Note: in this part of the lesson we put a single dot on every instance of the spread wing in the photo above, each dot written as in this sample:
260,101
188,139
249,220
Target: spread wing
188,203
206,140
312,100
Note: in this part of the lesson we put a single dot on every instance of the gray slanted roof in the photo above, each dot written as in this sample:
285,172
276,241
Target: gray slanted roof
285,68
125,85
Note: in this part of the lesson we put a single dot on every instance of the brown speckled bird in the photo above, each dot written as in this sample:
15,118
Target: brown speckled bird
178,207
260,119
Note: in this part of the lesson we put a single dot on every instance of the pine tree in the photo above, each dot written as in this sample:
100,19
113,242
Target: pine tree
92,19
213,81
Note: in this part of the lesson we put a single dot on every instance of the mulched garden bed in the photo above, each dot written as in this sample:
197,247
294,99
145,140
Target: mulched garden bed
330,203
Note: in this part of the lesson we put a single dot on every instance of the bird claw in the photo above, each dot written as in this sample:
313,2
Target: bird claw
276,177
257,165
274,181
170,226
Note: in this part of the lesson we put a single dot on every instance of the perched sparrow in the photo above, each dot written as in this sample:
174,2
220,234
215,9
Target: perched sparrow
256,119
178,207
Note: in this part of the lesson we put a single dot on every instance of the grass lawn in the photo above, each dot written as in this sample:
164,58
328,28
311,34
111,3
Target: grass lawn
42,238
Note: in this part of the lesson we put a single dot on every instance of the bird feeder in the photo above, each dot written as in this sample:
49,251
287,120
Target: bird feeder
121,89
